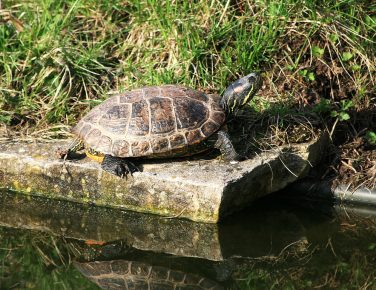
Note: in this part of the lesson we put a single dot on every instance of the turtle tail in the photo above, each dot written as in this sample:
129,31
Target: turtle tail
76,145
73,147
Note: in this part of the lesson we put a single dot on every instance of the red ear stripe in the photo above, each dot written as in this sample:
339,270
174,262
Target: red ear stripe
239,89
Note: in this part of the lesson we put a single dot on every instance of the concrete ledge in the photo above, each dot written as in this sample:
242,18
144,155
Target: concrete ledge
200,190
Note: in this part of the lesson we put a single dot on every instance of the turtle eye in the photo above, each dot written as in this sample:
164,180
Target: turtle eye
251,79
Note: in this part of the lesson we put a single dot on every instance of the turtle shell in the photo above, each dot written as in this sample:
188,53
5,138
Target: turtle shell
151,121
124,274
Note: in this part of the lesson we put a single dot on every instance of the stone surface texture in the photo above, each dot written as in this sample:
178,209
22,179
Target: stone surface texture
197,189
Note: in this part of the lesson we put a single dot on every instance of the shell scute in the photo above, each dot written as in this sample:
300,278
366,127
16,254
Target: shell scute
104,144
115,120
140,148
96,113
131,96
139,121
193,136
159,145
120,148
93,138
150,92
177,141
116,112
208,128
218,117
171,91
197,95
162,116
190,113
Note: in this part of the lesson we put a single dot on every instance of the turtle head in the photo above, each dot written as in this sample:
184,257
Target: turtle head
240,92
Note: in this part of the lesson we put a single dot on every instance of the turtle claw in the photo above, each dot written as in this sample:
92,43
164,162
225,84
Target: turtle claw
122,170
61,153
118,166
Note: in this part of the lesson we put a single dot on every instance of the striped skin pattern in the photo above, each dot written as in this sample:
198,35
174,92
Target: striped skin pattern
152,121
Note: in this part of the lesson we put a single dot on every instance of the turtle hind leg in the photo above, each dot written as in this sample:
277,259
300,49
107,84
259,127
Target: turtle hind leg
71,153
224,144
118,166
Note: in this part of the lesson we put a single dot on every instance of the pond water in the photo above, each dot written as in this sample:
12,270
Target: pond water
278,243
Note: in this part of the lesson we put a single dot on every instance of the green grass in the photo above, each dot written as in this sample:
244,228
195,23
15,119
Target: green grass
58,58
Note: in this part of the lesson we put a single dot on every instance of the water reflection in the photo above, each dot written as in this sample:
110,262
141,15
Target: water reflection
251,234
123,274
272,242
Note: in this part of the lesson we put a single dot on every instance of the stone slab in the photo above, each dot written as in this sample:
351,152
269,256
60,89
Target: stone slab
200,190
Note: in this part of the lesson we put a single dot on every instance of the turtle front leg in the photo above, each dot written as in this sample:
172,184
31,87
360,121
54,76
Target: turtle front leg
118,166
224,144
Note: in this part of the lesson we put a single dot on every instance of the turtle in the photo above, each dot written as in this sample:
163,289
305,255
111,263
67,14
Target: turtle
159,122
129,274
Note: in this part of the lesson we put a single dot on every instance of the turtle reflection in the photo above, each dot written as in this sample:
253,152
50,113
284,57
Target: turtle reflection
123,274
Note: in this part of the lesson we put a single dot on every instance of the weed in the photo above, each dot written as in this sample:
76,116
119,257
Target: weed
371,136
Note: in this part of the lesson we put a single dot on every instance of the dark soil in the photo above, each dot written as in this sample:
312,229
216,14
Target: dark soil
313,102
354,164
